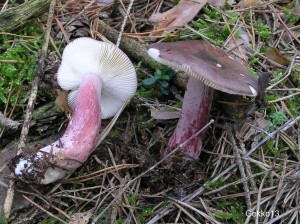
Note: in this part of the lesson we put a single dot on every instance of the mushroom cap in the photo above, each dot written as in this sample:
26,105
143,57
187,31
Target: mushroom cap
85,56
208,63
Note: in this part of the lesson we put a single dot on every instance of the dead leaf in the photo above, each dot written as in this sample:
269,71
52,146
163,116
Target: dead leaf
178,16
62,101
274,55
252,128
164,114
81,218
263,82
216,3
238,44
249,3
105,2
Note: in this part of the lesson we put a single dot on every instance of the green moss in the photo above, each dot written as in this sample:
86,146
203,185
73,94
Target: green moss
212,26
24,54
262,30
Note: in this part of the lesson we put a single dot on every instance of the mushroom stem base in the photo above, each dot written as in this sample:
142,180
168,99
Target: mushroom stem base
194,116
62,157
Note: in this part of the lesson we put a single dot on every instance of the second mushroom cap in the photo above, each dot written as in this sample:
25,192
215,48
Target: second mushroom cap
208,63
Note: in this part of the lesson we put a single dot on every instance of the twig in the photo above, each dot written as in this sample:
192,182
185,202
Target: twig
15,17
124,22
284,98
38,74
186,212
8,123
211,219
80,13
247,165
283,23
259,198
291,66
44,210
284,214
11,61
280,189
242,170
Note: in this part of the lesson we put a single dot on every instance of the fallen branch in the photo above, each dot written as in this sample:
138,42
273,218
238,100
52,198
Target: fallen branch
16,17
8,123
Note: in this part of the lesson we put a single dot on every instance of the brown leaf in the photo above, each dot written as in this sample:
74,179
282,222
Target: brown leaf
238,44
62,101
252,128
249,3
274,55
81,218
216,3
164,114
178,16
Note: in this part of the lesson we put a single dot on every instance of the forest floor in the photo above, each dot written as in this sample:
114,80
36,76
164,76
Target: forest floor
248,170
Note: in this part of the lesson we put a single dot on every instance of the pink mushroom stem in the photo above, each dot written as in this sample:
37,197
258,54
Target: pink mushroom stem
194,116
62,157
81,135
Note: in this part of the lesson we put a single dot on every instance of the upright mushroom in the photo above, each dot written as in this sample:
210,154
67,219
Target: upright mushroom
209,67
100,78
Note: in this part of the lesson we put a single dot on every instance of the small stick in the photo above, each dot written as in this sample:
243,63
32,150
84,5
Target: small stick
259,198
38,74
8,123
124,23
211,219
284,214
44,210
242,170
15,17
271,7
11,61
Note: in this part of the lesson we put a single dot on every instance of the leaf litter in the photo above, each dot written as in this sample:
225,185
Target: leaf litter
247,165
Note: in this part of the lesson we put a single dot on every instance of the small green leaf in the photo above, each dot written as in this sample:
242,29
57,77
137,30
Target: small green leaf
164,84
149,81
165,77
3,98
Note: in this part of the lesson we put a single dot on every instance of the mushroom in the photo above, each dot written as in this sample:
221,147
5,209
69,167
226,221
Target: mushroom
209,67
100,78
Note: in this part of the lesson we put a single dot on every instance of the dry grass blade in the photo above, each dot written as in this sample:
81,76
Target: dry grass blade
296,209
100,172
44,210
242,171
211,219
108,128
189,215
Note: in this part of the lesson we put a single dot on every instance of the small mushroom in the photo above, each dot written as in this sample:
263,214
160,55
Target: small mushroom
209,67
100,78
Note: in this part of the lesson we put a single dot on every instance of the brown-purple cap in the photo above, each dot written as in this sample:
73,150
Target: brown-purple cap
209,63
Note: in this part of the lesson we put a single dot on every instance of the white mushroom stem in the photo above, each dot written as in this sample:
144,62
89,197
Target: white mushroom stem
194,116
62,157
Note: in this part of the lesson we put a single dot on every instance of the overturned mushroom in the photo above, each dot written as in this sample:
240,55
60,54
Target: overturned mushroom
209,67
100,78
